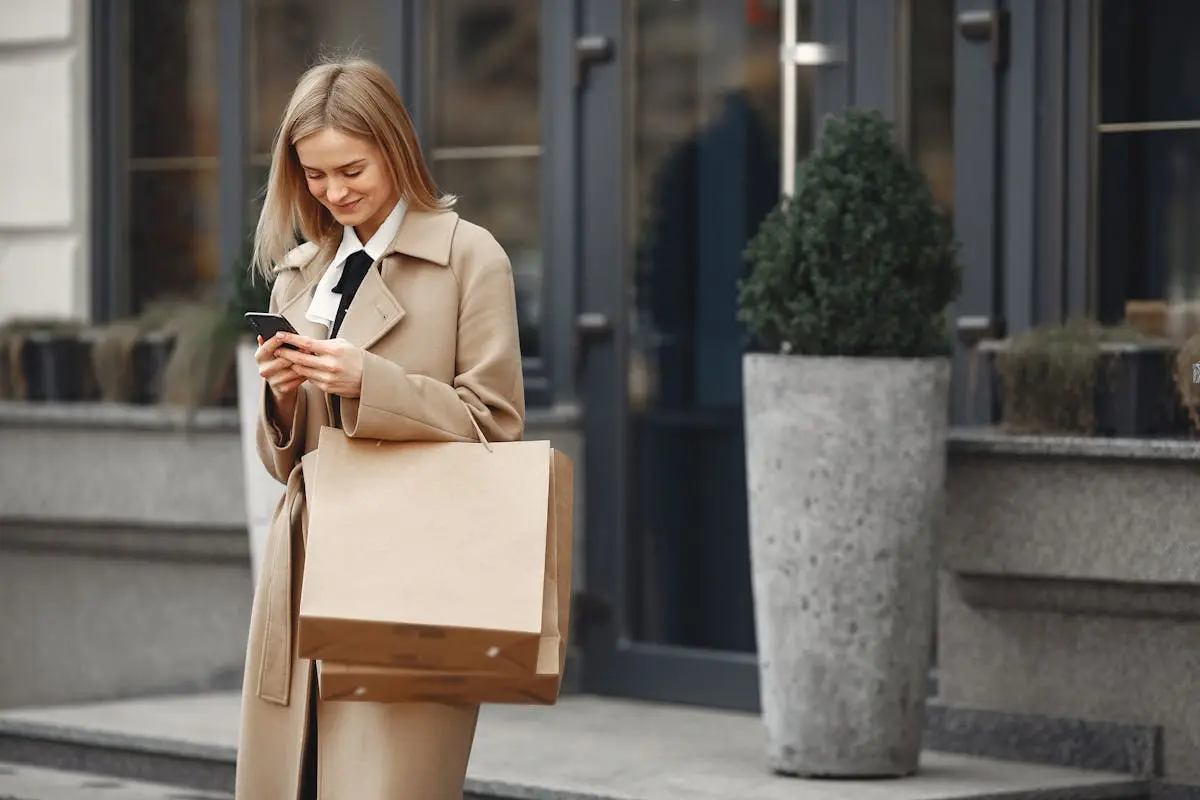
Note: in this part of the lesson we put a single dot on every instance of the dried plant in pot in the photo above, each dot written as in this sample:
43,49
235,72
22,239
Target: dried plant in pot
45,360
1082,378
201,370
129,355
1186,374
846,416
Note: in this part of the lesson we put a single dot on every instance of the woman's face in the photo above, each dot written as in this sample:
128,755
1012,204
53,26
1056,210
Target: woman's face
347,175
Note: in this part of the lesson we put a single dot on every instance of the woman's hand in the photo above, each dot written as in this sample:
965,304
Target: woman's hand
333,365
276,371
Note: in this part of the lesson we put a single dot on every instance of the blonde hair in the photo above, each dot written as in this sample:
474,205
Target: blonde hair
356,97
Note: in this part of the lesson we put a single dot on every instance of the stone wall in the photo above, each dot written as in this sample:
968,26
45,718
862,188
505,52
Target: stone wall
124,551
44,157
1071,584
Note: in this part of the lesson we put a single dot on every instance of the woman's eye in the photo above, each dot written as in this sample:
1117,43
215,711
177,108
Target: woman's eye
314,177
354,174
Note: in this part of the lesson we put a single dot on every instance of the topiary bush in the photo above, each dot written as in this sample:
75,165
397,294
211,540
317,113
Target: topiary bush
859,261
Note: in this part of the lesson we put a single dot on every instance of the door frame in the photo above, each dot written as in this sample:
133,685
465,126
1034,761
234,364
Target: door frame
612,662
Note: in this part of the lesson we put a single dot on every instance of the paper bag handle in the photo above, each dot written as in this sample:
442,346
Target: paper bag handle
478,430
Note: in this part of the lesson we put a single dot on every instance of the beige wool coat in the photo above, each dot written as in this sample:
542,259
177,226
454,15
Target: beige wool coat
437,319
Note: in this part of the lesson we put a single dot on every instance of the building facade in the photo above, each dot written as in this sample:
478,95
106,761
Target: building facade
623,152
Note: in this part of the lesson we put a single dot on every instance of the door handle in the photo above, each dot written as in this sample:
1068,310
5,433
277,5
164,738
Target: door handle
990,27
591,327
589,51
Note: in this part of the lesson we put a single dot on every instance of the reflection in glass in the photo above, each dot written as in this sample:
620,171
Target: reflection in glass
1149,203
173,239
172,78
931,105
483,85
705,171
1149,177
289,36
484,69
1149,61
172,211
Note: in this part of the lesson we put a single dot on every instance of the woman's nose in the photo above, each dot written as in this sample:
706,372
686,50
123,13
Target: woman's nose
336,192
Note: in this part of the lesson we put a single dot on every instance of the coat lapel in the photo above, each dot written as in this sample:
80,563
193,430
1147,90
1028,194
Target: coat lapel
294,309
374,312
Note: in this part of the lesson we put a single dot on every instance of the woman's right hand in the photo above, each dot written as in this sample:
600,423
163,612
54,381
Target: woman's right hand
279,375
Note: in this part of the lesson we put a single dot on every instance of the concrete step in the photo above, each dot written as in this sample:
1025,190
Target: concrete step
21,782
586,748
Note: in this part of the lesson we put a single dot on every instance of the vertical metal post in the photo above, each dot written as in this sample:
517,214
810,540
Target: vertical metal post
787,104
793,54
233,132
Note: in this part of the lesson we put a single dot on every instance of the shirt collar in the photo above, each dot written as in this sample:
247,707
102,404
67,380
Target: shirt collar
377,244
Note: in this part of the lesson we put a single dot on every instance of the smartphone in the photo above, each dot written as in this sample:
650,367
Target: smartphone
267,325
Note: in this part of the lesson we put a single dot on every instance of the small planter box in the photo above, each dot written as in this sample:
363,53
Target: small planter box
1135,391
57,368
150,356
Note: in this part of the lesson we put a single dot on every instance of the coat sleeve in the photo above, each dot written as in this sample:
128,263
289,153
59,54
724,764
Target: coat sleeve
397,405
280,441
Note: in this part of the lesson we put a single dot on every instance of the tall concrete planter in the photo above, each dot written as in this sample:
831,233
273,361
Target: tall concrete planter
845,468
262,491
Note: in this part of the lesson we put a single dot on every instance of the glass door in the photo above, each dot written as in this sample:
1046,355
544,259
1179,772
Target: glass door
680,138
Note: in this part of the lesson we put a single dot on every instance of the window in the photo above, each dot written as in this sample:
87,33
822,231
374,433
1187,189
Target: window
171,149
1147,239
288,37
485,131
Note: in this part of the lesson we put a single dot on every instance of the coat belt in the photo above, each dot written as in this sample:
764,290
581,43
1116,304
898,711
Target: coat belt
277,652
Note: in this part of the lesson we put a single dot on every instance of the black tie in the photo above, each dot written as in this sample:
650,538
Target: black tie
353,272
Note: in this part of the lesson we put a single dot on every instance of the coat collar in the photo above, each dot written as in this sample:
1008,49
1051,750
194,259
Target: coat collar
424,235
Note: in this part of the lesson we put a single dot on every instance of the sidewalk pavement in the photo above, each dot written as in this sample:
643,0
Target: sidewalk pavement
20,782
586,748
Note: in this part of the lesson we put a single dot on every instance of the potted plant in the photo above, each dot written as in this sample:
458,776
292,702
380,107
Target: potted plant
1082,378
45,360
130,355
847,409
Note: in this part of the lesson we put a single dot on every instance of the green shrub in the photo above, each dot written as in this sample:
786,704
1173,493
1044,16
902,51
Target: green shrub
859,261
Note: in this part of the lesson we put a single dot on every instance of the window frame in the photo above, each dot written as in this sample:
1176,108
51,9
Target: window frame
403,59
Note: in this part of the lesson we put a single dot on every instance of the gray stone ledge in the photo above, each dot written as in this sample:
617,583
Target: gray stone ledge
1074,596
115,415
160,543
990,441
118,415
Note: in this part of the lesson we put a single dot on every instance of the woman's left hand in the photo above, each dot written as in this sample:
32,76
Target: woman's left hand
332,365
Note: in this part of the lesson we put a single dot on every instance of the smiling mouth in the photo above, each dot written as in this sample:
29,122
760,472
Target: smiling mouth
348,206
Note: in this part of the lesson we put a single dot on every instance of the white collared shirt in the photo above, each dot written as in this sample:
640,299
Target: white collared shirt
323,308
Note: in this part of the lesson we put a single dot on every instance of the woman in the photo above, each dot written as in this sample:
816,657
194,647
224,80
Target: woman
407,325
